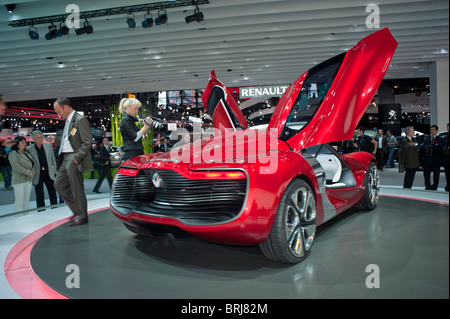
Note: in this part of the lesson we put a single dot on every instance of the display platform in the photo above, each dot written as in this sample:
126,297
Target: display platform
404,242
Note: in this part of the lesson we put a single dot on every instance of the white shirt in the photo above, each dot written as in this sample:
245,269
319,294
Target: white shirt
380,141
66,147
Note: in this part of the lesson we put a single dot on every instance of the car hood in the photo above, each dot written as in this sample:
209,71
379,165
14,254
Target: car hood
232,149
325,104
229,148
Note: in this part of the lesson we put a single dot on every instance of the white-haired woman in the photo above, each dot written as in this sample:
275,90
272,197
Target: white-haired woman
131,134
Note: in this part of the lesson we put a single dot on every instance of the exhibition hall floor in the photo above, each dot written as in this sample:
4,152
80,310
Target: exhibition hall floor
399,250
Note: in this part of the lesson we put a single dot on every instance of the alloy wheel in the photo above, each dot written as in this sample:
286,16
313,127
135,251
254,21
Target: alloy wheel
300,221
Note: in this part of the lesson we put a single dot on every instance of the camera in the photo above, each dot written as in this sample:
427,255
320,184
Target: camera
157,123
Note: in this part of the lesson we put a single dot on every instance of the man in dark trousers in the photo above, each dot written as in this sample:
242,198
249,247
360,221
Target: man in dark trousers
381,148
44,169
104,168
409,157
431,151
74,160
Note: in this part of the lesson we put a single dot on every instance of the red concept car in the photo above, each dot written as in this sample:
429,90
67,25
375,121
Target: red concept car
273,185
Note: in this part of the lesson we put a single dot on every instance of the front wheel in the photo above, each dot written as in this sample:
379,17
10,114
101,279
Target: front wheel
294,227
371,188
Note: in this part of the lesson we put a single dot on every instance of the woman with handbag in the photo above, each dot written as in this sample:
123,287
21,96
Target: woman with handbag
22,173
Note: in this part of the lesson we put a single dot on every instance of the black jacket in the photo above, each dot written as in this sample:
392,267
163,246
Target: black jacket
104,154
129,131
432,149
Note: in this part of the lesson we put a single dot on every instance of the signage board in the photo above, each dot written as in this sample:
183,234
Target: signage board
262,91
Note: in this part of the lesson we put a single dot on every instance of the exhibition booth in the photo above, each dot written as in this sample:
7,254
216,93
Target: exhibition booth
268,189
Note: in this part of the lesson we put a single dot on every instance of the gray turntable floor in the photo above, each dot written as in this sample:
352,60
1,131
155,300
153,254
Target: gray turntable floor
404,241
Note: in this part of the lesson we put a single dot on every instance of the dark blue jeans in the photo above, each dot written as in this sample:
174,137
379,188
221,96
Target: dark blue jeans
391,160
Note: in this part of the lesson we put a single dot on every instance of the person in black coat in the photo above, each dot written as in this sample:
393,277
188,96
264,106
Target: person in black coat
103,165
131,134
364,142
431,151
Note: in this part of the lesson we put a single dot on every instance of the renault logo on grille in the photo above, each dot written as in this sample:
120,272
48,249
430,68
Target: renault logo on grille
156,180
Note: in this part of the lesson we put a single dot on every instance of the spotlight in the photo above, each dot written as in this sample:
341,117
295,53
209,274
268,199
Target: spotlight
197,16
51,33
148,21
130,21
32,33
162,17
63,30
10,7
87,28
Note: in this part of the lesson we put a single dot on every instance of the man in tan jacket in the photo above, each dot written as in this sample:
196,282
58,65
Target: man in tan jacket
74,160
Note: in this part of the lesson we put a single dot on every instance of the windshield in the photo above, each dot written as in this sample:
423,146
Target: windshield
315,88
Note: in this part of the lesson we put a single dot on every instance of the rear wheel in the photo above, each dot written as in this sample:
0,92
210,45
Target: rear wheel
294,227
371,188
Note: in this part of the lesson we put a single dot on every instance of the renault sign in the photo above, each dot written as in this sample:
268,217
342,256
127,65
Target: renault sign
262,91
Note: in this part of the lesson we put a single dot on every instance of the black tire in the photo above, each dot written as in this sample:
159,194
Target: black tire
371,188
294,227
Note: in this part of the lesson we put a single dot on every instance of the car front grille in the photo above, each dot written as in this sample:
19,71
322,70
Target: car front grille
192,201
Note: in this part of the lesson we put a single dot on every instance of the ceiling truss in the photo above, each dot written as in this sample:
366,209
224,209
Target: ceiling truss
108,12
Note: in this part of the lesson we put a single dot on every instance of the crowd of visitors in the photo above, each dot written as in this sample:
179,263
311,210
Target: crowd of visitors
431,153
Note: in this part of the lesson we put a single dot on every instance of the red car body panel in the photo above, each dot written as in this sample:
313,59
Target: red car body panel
222,107
354,86
259,164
